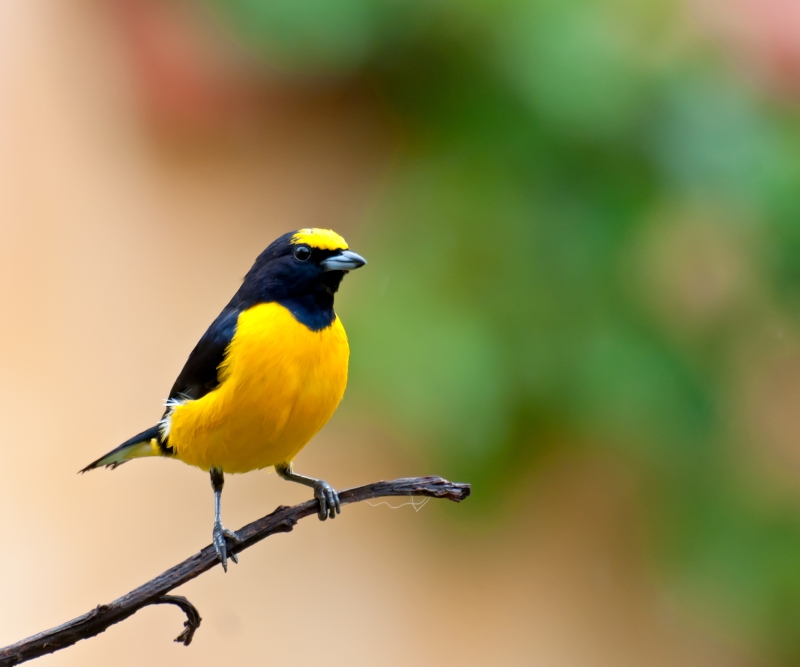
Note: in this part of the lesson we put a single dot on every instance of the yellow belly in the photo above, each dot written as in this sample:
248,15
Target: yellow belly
281,382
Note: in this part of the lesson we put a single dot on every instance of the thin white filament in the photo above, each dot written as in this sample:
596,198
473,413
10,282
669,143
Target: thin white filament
416,504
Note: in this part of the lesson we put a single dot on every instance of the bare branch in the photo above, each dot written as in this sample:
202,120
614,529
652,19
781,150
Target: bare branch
282,520
192,621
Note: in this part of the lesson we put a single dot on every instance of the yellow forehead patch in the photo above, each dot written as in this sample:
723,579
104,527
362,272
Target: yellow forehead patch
322,239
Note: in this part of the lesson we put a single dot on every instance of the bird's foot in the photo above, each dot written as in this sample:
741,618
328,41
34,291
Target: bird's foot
329,505
219,535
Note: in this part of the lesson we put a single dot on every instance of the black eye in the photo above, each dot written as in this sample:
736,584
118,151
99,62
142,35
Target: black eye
302,253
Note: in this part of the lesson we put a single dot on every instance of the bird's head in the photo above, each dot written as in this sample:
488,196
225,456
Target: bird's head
303,262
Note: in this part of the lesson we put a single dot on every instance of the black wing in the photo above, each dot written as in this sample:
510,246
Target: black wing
199,374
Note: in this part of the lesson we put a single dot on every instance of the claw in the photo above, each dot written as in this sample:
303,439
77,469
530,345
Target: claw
329,505
332,504
219,536
235,539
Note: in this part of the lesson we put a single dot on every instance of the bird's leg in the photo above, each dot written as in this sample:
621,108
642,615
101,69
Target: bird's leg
329,505
220,532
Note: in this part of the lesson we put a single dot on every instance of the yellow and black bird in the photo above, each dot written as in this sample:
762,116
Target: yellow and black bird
265,377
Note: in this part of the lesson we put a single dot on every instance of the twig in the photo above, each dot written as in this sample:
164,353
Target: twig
282,520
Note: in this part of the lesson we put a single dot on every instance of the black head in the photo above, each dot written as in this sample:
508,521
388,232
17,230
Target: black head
301,270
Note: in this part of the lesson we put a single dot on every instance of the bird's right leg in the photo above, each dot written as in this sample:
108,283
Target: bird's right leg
220,532
329,504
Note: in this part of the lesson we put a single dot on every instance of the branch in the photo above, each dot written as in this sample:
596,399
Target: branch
282,520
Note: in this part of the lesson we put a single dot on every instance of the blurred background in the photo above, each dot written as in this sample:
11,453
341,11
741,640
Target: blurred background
583,297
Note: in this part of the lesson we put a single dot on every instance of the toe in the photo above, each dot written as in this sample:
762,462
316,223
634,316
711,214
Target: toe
222,554
331,503
320,494
221,547
233,536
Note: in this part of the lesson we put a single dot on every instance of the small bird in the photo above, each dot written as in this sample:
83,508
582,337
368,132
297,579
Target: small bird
264,378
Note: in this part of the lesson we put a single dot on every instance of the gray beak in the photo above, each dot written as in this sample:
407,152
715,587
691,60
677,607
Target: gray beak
346,260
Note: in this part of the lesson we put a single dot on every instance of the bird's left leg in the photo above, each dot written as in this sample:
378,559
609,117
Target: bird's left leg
220,532
329,505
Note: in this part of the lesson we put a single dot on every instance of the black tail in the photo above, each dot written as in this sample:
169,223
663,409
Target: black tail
147,443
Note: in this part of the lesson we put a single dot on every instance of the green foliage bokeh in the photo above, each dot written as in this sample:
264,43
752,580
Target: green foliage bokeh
546,141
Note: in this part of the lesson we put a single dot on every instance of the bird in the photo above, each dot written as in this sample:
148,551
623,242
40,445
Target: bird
263,379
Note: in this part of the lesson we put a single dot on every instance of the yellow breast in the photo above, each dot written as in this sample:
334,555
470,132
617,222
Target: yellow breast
280,384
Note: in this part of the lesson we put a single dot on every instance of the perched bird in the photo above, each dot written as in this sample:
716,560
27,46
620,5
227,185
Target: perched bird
265,377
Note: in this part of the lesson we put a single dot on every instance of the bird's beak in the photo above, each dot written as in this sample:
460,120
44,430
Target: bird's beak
345,260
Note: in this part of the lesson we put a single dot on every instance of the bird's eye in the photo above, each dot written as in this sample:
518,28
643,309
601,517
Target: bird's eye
302,253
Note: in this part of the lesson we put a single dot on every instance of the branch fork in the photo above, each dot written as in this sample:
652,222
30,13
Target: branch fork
155,591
